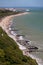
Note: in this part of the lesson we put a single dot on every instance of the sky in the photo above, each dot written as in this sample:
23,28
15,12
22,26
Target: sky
21,3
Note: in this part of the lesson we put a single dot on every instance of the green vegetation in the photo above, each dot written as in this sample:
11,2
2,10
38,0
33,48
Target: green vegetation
10,54
7,13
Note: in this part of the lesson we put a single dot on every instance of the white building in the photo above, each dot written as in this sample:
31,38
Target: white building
11,9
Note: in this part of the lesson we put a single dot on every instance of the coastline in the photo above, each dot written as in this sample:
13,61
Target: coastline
5,22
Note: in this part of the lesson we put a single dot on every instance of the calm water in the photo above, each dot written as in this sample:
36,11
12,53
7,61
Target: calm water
31,25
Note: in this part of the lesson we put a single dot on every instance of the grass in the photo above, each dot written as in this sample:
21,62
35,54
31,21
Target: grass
10,54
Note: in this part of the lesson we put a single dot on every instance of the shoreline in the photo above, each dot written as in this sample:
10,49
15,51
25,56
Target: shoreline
5,22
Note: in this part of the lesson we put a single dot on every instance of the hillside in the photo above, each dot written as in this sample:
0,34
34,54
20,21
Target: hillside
4,12
10,54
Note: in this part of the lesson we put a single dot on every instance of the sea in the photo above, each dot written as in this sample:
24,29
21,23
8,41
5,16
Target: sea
31,25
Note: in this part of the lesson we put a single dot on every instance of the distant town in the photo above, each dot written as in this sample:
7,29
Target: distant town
15,9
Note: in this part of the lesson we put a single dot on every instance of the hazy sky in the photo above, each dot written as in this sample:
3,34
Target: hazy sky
21,3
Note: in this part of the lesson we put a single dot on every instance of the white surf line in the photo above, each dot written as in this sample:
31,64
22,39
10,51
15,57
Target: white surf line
4,24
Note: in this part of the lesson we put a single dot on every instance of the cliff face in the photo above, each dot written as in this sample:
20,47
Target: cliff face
10,54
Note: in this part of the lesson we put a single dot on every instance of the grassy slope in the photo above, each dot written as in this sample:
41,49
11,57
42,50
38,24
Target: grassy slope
10,54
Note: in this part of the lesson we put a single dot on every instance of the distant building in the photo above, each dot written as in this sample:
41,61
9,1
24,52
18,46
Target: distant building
11,9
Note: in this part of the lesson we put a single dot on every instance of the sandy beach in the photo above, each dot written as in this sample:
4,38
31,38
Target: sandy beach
5,22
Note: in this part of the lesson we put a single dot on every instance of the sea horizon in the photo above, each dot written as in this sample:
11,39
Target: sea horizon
31,25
